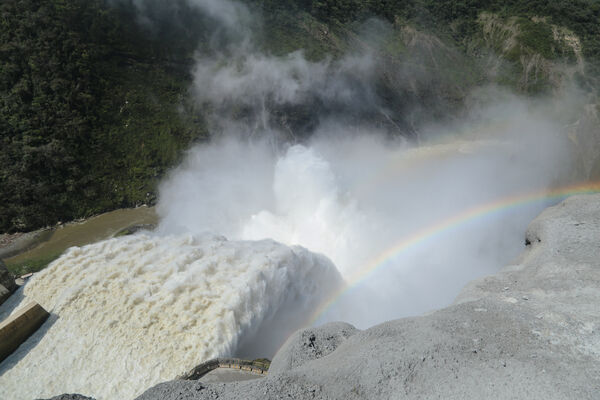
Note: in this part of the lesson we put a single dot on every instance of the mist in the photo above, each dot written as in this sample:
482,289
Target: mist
352,186
350,194
354,176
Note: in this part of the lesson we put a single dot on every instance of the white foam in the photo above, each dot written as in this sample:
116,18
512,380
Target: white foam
128,313
353,197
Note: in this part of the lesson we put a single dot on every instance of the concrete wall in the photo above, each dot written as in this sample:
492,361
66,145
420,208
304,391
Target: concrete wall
7,283
256,367
19,326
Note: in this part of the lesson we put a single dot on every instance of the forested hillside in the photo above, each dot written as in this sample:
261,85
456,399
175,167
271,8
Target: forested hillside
90,110
95,104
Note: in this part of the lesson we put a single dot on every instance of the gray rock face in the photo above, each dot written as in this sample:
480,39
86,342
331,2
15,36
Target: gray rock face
310,344
71,397
4,294
531,331
7,282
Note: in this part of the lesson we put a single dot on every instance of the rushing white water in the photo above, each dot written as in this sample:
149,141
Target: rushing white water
353,196
130,312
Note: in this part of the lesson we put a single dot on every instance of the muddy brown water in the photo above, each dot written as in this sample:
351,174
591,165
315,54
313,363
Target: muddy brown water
92,230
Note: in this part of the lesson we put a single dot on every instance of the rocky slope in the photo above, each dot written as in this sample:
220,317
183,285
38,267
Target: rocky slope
7,283
531,331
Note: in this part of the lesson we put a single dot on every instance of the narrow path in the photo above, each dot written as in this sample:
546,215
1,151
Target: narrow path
257,367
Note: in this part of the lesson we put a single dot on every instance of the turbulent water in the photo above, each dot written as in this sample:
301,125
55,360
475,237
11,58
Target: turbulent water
130,312
353,197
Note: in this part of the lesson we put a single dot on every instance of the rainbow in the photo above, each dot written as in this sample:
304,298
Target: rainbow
433,230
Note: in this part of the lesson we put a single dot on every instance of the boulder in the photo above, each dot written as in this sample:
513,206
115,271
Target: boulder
70,397
4,294
310,344
530,331
7,283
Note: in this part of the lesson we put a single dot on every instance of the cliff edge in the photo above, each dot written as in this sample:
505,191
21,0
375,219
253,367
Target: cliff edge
530,331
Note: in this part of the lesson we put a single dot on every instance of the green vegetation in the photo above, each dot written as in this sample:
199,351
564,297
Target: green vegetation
94,103
456,16
90,111
33,264
538,35
50,244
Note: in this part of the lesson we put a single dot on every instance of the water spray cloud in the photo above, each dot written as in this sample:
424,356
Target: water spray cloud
431,232
406,223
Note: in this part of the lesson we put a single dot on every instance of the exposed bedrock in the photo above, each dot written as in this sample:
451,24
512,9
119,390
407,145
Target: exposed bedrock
531,331
71,397
7,283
